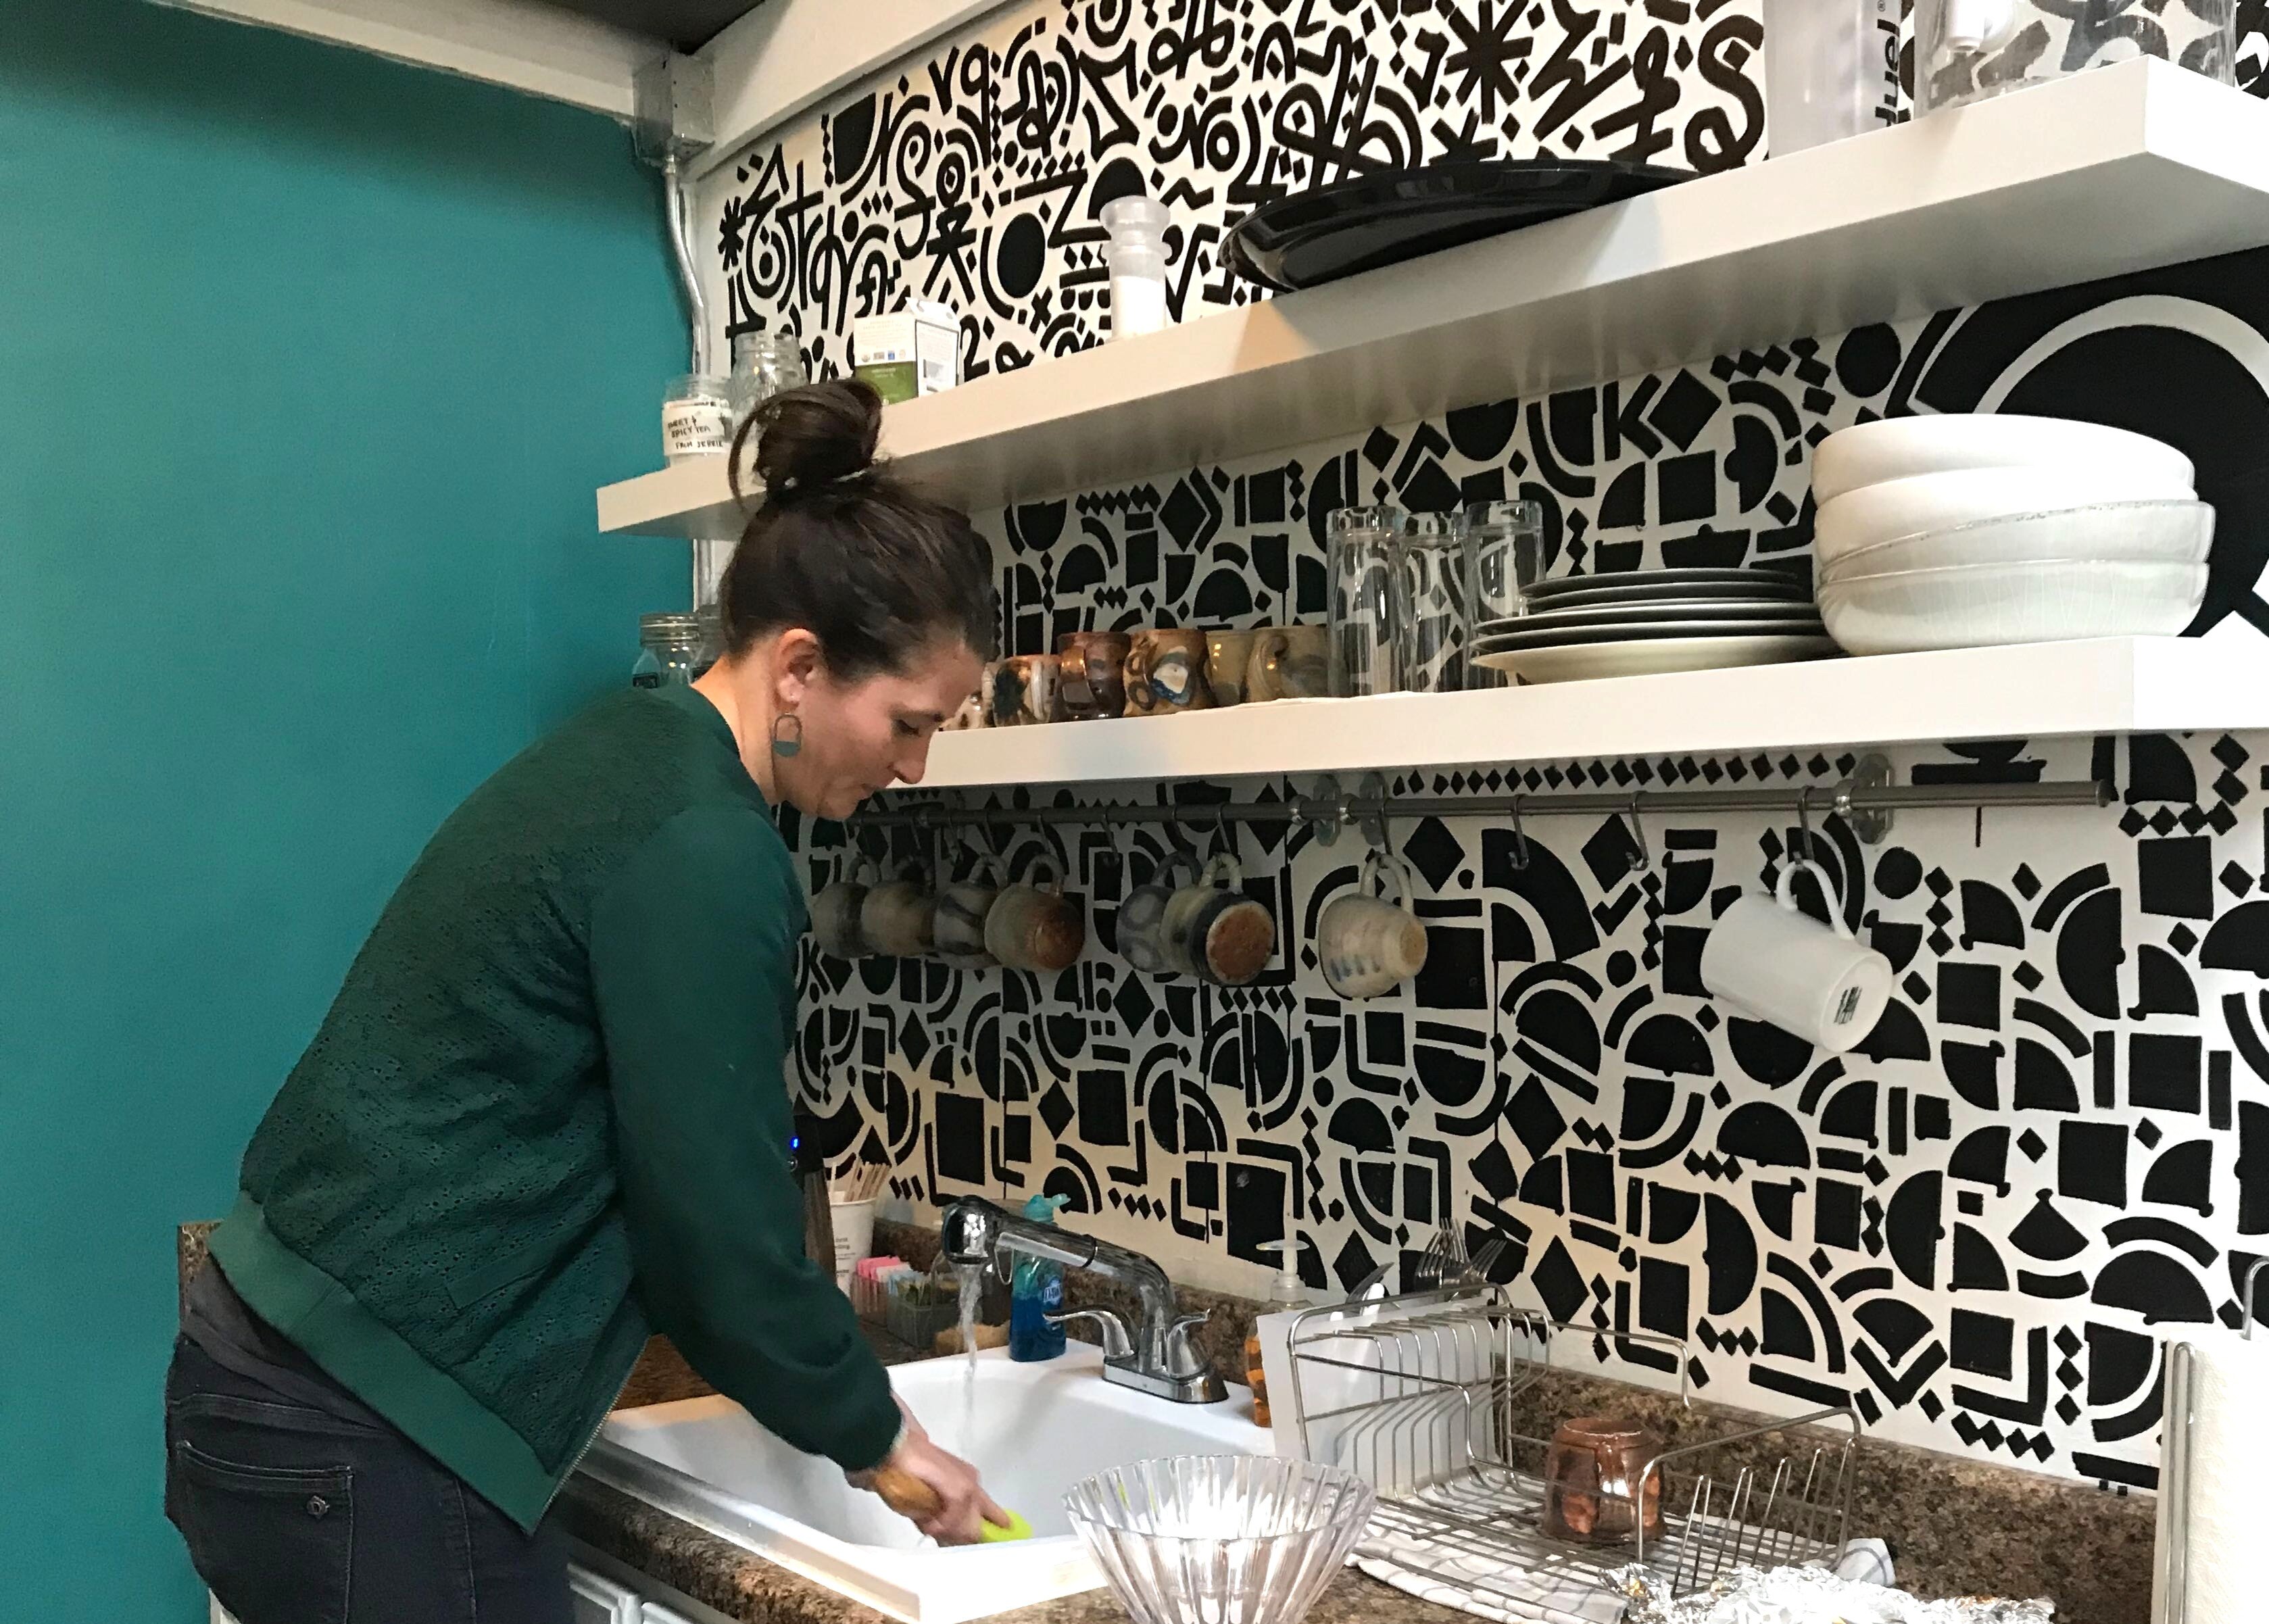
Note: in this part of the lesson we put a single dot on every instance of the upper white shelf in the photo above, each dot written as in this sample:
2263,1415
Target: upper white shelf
2112,171
2031,690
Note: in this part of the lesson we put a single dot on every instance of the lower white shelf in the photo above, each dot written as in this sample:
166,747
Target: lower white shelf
2028,691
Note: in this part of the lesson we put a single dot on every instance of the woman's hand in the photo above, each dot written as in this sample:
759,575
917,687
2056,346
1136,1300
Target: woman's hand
937,1492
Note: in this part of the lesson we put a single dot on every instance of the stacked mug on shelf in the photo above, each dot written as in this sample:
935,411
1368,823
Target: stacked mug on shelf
1187,918
1162,672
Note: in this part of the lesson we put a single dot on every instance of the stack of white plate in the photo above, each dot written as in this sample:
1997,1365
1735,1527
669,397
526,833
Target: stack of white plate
1648,621
1960,531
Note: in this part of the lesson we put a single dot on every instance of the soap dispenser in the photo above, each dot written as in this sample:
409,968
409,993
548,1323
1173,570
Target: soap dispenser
1035,1291
1288,1294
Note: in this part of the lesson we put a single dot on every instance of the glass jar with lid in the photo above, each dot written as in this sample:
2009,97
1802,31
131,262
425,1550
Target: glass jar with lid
764,364
669,647
697,418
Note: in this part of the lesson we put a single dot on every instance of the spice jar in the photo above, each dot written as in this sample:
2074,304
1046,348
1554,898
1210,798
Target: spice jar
670,646
697,418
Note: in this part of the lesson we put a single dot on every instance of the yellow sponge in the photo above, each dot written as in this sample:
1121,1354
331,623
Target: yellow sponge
1017,1529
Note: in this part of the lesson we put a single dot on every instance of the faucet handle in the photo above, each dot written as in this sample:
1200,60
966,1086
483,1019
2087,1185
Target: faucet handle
1182,1359
1117,1343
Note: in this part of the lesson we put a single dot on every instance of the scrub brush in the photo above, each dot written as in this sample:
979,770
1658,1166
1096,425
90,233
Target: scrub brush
910,1497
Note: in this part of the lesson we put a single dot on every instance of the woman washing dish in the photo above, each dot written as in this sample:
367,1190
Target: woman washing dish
547,1114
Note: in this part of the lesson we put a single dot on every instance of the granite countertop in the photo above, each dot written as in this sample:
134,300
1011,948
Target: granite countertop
1956,1526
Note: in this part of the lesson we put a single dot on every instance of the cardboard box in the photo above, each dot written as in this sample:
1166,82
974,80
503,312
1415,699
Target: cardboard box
913,351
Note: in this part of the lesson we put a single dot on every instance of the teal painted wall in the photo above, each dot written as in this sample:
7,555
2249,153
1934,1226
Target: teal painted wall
308,365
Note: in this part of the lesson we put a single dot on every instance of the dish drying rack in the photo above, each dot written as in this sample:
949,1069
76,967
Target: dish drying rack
1415,1394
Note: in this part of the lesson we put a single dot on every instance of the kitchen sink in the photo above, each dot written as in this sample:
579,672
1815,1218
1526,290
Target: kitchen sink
1032,1430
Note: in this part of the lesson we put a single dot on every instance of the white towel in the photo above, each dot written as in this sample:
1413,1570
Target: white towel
2229,1439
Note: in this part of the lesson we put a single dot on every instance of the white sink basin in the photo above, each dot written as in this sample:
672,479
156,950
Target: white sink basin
1036,1429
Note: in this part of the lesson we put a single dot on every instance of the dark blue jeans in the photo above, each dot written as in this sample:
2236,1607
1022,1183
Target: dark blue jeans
296,1514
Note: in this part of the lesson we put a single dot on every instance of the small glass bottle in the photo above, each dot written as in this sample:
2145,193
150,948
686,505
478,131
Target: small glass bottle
1361,547
668,647
764,364
697,418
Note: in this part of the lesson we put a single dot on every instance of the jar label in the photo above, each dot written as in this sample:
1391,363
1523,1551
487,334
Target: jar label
696,428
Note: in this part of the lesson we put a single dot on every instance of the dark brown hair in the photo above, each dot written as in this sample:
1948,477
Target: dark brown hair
843,548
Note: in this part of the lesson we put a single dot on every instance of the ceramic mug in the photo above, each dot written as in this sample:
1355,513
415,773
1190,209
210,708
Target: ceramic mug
1035,926
1288,662
1212,930
1165,674
1228,655
835,911
1142,916
1090,674
958,934
897,919
971,715
1370,946
1021,691
1814,981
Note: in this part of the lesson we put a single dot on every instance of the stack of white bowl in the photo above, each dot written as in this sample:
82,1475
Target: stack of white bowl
1965,530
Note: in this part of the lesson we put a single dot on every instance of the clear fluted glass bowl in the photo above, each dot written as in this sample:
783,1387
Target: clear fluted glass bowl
1220,1538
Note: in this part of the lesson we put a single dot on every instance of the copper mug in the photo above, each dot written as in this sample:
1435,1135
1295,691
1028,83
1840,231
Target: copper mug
1594,1492
1165,674
1288,662
1036,926
1090,674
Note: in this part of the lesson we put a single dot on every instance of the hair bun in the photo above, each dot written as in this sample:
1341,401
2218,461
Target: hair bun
817,434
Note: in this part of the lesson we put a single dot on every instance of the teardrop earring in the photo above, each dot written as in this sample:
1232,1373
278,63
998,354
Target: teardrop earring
788,735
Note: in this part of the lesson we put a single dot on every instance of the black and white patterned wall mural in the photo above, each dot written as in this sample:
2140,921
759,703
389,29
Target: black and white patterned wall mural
2056,1147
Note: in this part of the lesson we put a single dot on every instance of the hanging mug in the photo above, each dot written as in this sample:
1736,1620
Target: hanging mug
1370,946
1142,916
1036,927
1814,981
897,919
1212,930
835,913
957,935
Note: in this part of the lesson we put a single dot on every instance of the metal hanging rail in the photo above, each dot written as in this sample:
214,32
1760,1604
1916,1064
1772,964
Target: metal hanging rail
1866,800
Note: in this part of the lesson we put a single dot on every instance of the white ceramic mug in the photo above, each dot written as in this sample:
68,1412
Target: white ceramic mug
1814,981
1368,945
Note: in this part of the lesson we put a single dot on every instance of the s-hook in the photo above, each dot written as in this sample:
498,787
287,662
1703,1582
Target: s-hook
1520,838
1642,858
1803,824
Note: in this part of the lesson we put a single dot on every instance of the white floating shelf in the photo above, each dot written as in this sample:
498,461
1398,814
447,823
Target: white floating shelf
2116,170
2030,690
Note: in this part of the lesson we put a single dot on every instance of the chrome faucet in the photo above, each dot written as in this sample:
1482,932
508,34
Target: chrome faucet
1156,1358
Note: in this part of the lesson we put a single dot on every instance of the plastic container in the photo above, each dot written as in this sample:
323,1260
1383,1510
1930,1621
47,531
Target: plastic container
1137,258
1035,1291
1831,71
854,1236
2113,532
1982,605
1968,51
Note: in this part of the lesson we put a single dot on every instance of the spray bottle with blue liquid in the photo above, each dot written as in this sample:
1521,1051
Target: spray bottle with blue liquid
1035,1291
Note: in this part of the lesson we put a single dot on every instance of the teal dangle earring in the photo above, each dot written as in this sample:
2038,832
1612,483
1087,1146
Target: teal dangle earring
788,736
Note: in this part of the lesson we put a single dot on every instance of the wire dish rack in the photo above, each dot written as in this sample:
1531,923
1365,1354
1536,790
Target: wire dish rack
1417,1394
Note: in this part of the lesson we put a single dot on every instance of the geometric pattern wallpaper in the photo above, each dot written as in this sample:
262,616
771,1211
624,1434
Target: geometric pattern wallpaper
2054,1149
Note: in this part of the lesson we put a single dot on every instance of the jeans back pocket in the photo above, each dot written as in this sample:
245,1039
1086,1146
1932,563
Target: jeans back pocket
276,1543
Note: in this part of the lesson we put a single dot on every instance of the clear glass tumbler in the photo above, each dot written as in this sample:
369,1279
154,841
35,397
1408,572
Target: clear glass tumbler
1967,50
1504,557
1433,604
1362,549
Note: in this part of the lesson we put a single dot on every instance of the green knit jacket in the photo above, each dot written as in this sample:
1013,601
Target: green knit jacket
548,1114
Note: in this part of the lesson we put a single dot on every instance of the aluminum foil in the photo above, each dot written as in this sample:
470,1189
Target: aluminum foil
1805,1595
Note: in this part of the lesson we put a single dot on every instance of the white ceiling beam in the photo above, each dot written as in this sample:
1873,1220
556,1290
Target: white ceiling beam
517,43
787,56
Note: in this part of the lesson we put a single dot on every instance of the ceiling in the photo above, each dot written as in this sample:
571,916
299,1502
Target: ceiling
684,24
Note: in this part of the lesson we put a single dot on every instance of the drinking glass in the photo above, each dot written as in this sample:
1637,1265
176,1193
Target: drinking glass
1360,550
1433,604
1504,557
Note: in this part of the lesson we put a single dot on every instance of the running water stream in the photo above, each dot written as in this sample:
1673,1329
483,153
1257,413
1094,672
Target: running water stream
972,1286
